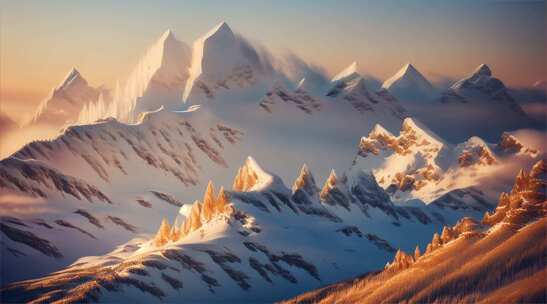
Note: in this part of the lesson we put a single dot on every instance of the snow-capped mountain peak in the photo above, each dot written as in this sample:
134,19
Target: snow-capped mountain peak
251,177
72,76
483,70
168,34
221,29
349,72
481,79
407,73
66,100
221,60
409,84
412,125
306,182
157,80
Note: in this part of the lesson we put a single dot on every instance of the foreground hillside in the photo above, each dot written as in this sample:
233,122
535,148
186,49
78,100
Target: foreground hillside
501,259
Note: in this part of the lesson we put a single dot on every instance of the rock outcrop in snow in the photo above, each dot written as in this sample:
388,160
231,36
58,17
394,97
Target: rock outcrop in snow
526,201
418,163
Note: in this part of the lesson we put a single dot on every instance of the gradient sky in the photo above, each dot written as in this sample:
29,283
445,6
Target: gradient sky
41,40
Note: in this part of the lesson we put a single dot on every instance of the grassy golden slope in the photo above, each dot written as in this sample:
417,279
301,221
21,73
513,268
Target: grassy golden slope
502,260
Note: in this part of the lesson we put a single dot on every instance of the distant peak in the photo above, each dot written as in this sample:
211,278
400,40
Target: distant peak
168,34
72,75
409,68
220,29
483,70
350,70
408,73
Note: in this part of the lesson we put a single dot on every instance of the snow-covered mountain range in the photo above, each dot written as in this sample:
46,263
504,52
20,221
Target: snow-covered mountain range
261,234
87,203
508,244
481,100
418,164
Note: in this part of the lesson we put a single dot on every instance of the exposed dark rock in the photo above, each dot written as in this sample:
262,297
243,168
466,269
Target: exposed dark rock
118,221
307,206
222,259
185,260
167,198
144,203
292,259
349,230
248,199
42,223
261,269
380,243
12,220
29,239
93,220
176,284
69,225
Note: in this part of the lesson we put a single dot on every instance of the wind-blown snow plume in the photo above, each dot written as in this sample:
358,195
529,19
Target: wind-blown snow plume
158,79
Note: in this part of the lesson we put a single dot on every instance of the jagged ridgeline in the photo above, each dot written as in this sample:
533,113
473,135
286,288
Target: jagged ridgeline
498,259
260,234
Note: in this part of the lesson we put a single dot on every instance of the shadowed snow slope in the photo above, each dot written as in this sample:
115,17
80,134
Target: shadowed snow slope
478,104
232,245
121,176
501,259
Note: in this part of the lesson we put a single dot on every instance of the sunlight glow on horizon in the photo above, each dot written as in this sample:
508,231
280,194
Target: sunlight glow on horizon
40,42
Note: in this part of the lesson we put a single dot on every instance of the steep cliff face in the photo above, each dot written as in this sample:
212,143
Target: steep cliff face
525,202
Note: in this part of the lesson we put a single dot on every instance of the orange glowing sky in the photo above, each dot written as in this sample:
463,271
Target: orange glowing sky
41,40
